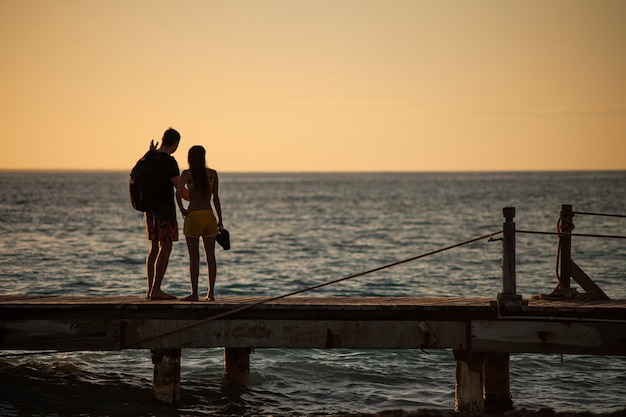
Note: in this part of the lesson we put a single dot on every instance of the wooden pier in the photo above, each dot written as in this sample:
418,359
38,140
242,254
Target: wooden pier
481,331
474,324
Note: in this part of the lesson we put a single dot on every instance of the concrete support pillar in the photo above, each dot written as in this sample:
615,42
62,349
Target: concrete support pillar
497,388
166,387
237,365
469,383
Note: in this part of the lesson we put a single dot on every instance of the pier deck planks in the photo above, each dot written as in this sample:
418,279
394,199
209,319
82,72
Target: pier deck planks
11,305
465,323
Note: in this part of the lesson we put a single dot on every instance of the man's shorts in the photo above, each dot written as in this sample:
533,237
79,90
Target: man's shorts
163,229
200,223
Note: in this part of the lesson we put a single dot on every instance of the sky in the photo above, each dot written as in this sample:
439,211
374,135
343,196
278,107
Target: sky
315,85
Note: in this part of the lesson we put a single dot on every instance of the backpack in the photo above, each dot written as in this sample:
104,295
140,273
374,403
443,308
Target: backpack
143,182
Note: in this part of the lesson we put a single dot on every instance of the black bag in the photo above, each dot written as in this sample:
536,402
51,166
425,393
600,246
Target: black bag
142,183
223,238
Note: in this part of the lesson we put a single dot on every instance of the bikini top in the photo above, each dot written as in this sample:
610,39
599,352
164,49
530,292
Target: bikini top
209,174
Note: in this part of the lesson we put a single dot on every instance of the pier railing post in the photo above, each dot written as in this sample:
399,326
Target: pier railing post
508,252
508,295
564,228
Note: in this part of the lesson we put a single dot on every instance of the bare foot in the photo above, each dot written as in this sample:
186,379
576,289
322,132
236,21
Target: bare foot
191,297
161,296
209,298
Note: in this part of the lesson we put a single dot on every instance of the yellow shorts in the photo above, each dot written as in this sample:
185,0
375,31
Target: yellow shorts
200,223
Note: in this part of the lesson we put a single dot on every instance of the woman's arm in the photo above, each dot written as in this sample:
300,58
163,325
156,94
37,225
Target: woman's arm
216,200
182,181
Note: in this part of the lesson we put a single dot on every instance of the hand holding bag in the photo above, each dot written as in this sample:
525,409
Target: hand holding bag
223,238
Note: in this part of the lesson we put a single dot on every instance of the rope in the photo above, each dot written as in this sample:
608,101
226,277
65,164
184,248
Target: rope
600,214
249,306
532,232
564,227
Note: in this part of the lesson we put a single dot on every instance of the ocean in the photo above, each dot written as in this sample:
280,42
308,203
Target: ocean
75,233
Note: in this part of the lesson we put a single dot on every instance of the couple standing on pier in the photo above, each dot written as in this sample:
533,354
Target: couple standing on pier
198,185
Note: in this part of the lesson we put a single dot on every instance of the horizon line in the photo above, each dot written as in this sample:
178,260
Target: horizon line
111,170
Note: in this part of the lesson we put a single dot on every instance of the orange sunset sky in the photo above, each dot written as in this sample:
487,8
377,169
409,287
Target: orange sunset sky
316,85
